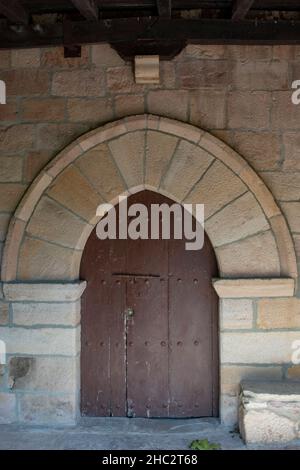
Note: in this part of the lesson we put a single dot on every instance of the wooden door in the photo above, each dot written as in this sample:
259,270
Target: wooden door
149,327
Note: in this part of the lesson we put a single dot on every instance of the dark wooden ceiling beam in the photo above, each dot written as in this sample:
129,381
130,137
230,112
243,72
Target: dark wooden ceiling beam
87,8
164,8
14,11
240,9
139,30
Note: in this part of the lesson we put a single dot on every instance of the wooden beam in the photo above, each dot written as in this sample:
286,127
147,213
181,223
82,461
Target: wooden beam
240,9
164,8
87,8
14,11
149,30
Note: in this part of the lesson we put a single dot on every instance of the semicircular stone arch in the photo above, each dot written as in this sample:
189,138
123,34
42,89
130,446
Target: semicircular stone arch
57,214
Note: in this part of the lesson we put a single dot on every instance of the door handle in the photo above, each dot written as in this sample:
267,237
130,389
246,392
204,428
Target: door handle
129,312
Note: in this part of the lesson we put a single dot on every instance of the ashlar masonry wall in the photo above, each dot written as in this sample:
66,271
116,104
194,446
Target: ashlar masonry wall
241,95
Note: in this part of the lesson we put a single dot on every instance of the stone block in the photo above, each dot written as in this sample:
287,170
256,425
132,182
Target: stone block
47,109
11,169
208,108
188,164
26,82
257,347
98,166
232,375
240,288
52,222
72,190
249,109
79,83
278,313
292,212
4,313
255,256
96,110
236,314
53,58
42,313
159,151
25,58
203,73
44,292
41,260
10,195
284,186
260,75
7,408
169,103
16,137
47,409
128,153
103,55
269,412
211,193
43,341
245,216
261,149
128,105
44,374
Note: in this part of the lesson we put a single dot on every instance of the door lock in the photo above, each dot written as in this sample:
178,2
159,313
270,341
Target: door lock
129,312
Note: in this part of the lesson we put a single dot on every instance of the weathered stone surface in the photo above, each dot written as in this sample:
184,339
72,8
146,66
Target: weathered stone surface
128,152
73,191
248,52
121,80
291,142
11,169
78,83
278,313
260,75
4,221
282,106
43,292
41,260
19,136
293,372
169,103
103,55
13,240
10,195
208,108
231,376
95,110
127,105
257,348
159,150
100,169
51,222
49,341
269,412
53,57
7,408
54,137
9,112
253,256
25,58
34,162
229,410
47,109
52,374
203,73
240,288
33,314
246,219
47,409
284,186
211,193
26,82
260,149
4,313
236,314
186,168
5,59
202,51
249,109
292,212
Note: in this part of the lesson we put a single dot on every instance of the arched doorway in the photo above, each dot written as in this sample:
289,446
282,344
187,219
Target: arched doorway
149,327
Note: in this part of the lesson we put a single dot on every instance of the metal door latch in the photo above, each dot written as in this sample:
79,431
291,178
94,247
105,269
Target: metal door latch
129,312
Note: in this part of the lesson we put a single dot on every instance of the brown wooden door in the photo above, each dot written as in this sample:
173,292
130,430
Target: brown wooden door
149,327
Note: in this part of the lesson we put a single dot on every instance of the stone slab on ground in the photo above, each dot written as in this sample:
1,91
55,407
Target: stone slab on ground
269,412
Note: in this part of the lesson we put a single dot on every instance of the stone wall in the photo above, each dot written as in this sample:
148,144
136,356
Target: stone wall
240,94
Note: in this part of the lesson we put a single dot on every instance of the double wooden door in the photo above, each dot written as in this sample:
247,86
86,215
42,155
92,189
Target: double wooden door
149,327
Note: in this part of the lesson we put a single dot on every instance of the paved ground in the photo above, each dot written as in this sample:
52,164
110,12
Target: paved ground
121,434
